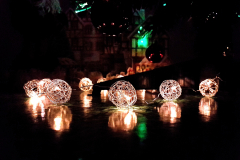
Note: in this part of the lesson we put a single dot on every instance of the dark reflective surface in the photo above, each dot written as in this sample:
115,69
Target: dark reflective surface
89,127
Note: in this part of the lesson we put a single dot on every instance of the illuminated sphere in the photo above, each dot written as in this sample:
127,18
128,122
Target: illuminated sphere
85,84
122,94
31,88
155,53
59,91
208,87
43,84
170,89
111,17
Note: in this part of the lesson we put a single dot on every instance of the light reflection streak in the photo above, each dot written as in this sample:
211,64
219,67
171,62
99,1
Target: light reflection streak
37,105
141,94
122,120
59,117
169,112
207,108
86,99
104,96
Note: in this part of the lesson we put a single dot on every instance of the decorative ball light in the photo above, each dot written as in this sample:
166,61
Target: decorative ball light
85,84
155,53
59,91
111,17
43,84
208,87
122,94
31,88
170,90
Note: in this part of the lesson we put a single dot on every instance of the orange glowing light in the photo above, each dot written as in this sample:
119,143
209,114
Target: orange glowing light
101,80
207,108
122,120
169,112
104,95
59,118
86,100
85,84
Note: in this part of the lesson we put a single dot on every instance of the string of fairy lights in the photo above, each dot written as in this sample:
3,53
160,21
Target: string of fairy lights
122,93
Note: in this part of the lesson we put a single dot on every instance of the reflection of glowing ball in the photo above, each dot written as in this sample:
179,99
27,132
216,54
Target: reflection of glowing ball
122,121
122,94
170,112
31,88
59,117
170,89
86,100
101,80
85,84
207,107
208,87
43,84
59,91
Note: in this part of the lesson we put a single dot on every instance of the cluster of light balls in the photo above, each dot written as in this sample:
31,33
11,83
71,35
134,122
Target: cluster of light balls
57,91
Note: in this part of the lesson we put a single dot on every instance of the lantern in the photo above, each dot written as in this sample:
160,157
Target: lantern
85,84
208,87
122,94
170,89
59,91
31,88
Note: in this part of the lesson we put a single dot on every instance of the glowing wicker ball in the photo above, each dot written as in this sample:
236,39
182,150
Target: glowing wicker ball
208,87
170,89
122,94
31,88
85,84
59,91
43,84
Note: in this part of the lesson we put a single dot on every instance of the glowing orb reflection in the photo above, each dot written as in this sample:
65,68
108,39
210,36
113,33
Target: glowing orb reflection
59,117
207,108
122,120
169,112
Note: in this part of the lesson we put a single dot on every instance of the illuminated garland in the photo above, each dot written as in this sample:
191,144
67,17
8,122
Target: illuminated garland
170,89
122,94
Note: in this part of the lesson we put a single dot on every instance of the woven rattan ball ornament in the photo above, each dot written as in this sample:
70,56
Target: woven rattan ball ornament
170,90
208,87
85,84
31,88
59,91
122,94
43,84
